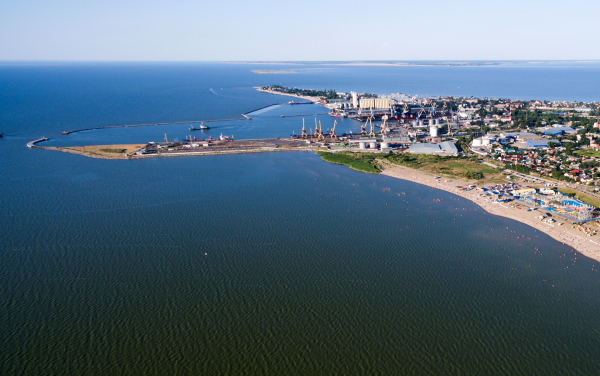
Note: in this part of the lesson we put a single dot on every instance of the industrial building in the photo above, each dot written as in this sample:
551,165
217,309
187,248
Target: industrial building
375,103
554,131
443,148
354,99
542,143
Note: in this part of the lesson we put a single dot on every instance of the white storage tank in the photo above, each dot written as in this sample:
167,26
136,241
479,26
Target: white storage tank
362,145
385,145
414,123
477,142
373,145
433,131
485,141
420,123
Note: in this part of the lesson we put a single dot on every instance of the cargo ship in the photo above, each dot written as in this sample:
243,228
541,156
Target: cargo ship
202,127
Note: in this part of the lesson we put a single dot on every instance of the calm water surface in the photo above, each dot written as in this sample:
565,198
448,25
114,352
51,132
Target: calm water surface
256,264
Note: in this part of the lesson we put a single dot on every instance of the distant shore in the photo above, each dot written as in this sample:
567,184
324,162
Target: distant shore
564,234
389,64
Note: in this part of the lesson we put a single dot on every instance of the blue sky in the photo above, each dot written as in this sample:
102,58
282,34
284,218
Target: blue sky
234,30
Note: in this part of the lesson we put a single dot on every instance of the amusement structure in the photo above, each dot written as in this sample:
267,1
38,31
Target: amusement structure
561,204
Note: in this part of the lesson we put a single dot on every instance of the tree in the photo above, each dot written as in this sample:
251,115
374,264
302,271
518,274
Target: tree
552,145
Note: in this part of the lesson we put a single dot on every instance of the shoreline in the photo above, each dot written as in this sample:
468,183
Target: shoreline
564,234
315,100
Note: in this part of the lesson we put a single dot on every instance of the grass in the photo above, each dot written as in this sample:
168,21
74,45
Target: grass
118,151
581,196
588,153
449,166
453,167
364,162
104,151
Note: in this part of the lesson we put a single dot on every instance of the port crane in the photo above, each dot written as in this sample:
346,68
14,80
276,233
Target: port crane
363,127
372,132
406,109
320,136
316,134
383,127
303,129
433,107
332,131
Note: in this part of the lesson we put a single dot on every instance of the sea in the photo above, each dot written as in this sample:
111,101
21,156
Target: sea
272,263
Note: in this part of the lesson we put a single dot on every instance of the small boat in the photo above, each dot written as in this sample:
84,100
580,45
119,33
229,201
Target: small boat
201,128
1,134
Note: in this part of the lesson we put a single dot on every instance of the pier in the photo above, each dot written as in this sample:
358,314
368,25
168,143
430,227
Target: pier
31,144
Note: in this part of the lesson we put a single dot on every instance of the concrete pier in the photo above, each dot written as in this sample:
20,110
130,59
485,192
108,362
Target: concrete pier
31,144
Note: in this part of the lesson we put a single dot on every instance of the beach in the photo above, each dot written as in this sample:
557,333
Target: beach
565,234
310,99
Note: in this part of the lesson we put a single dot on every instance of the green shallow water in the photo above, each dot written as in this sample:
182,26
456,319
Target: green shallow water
281,264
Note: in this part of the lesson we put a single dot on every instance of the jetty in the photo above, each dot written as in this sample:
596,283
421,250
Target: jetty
31,144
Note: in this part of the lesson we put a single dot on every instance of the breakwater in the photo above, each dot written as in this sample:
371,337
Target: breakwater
149,124
31,144
284,116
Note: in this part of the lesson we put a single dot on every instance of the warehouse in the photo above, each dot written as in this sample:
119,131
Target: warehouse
443,148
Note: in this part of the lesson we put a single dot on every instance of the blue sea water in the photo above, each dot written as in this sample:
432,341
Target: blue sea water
266,263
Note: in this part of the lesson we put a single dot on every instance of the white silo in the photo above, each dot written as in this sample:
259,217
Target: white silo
433,130
477,142
373,145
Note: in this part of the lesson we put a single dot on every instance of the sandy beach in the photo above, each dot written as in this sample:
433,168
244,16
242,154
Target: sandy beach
310,99
586,245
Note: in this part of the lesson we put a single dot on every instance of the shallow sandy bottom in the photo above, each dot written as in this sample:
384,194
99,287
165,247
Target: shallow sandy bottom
566,234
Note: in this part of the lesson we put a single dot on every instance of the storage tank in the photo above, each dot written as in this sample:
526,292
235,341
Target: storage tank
384,145
362,145
433,131
437,121
485,141
414,123
477,142
373,145
420,123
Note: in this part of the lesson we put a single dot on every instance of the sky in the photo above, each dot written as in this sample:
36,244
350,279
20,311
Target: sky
307,30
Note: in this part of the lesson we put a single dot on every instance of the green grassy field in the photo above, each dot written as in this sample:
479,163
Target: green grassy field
357,161
453,167
448,166
581,196
588,153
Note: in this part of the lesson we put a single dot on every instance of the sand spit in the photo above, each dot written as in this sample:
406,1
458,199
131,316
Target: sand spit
315,100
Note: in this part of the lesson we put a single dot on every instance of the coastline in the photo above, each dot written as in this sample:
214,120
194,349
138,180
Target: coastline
315,100
564,234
